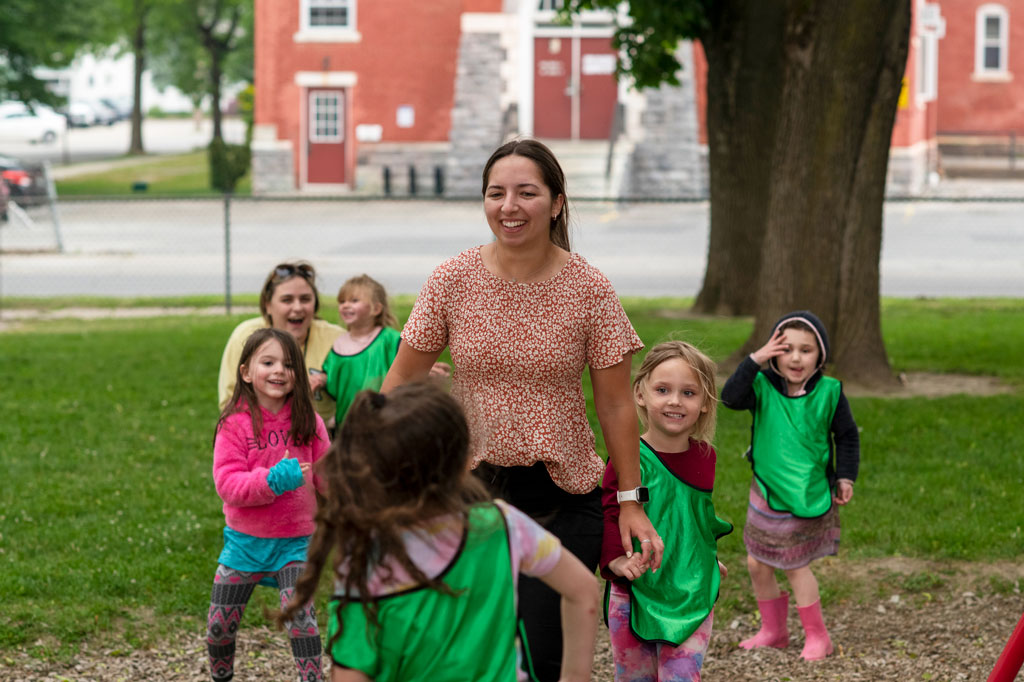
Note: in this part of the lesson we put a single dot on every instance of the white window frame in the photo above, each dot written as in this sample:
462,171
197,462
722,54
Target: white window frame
927,67
309,33
985,12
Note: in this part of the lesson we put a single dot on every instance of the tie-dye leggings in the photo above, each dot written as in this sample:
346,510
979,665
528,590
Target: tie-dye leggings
638,661
231,592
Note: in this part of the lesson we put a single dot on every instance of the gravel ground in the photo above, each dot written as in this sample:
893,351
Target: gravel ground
953,632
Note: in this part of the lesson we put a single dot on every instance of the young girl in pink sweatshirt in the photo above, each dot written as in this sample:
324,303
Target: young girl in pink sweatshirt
267,440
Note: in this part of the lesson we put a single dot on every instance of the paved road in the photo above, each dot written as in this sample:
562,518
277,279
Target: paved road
177,247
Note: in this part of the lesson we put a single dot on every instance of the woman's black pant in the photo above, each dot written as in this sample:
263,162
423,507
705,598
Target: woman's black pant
577,522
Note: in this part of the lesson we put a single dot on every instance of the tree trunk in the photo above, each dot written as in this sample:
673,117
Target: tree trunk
139,53
841,70
744,89
215,85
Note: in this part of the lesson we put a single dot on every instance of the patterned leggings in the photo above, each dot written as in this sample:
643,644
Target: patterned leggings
231,592
638,661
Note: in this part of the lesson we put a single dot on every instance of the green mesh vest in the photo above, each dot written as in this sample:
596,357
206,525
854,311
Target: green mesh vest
669,606
789,451
429,636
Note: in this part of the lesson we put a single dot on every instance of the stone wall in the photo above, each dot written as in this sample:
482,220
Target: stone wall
273,168
477,116
668,161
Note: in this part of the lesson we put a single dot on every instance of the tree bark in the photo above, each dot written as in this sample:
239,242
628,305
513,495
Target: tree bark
744,103
139,54
841,68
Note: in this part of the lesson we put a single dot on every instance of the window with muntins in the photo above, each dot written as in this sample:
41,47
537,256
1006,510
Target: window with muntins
991,38
325,117
328,14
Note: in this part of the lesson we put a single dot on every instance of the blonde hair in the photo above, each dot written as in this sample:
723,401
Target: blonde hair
702,365
385,318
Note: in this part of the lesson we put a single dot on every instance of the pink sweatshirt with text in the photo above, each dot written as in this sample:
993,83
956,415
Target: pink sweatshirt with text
240,466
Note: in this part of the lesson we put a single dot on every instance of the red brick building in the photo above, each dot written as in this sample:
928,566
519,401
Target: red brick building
436,86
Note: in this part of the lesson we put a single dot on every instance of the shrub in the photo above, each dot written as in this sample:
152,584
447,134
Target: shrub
228,163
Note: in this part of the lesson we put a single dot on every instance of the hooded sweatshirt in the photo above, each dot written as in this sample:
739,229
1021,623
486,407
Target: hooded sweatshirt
844,444
241,463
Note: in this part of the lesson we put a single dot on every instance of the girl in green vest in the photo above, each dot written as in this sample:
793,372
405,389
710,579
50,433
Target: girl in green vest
660,621
805,452
424,565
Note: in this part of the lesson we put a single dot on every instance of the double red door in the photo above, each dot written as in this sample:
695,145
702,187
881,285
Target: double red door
574,87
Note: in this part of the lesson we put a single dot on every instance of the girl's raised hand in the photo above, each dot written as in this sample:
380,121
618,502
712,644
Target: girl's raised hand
775,347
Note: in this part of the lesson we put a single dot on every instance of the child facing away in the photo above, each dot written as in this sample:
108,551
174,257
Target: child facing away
802,421
660,622
425,566
363,353
267,441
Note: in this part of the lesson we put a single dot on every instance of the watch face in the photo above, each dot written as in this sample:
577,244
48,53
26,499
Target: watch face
642,495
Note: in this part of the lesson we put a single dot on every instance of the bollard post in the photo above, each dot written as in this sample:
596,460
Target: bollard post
438,181
227,253
412,181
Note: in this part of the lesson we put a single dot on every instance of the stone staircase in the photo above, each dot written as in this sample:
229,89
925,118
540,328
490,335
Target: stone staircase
992,156
585,163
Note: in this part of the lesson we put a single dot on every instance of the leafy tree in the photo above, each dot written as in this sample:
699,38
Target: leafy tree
801,101
202,44
35,33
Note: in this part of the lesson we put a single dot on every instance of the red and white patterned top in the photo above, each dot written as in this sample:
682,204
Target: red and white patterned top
518,351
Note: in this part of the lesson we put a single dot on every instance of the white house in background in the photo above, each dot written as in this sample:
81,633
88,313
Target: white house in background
111,76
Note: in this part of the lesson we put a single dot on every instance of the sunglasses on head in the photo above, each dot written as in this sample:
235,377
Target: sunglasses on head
288,270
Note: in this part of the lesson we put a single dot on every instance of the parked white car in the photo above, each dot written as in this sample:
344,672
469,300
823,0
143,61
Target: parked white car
18,123
80,115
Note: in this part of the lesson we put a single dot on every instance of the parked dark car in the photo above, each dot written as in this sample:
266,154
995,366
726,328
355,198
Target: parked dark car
25,181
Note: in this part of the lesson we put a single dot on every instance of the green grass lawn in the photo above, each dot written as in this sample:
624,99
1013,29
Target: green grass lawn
108,515
166,175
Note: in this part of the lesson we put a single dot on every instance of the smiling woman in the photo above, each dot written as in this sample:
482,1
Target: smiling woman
523,317
289,302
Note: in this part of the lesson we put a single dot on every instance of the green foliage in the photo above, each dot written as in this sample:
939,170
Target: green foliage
42,33
228,163
649,40
108,514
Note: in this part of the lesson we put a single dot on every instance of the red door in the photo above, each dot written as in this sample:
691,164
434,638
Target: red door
325,160
574,96
552,78
599,90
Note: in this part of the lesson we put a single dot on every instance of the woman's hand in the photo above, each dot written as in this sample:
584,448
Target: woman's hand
775,347
722,570
633,523
317,381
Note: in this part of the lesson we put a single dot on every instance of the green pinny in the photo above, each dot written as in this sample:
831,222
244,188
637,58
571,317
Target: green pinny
669,606
428,636
790,451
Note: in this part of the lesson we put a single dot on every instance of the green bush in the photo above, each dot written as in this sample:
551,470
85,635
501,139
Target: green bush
228,164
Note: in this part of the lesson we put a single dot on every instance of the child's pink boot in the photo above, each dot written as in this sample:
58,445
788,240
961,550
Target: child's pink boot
773,630
818,644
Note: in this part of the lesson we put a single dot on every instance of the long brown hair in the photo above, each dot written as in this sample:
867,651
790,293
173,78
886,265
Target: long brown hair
703,367
303,418
551,173
399,460
385,318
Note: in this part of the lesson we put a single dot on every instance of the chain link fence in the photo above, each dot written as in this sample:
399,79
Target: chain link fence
956,245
